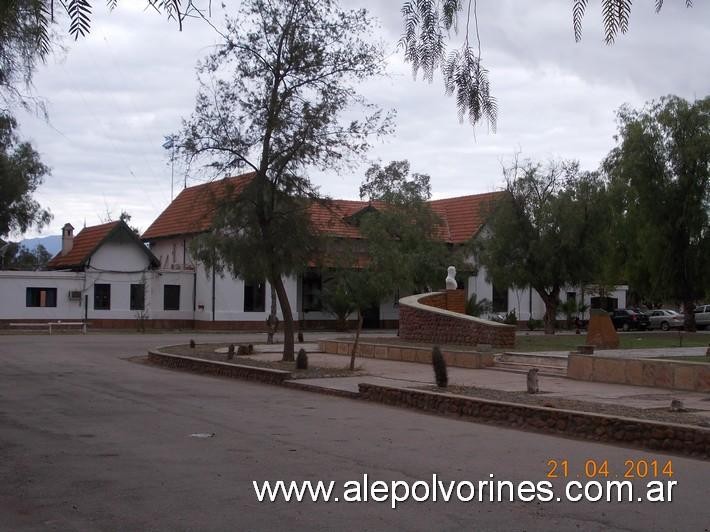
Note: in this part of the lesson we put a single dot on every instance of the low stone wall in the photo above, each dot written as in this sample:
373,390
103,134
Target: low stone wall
673,375
225,369
693,441
422,355
423,318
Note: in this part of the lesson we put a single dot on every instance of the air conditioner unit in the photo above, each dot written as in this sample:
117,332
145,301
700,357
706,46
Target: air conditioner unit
74,295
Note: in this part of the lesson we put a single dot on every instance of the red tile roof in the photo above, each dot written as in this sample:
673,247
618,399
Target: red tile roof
85,243
89,240
465,215
192,211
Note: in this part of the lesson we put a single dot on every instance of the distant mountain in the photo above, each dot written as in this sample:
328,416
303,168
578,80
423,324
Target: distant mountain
52,243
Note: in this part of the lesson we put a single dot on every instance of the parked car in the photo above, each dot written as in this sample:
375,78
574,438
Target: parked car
702,316
665,319
627,319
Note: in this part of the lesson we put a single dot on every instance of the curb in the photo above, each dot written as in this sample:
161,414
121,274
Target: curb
645,434
671,438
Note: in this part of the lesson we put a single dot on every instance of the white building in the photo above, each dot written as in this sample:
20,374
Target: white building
109,277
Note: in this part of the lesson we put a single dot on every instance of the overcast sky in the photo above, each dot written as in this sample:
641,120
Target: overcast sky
112,97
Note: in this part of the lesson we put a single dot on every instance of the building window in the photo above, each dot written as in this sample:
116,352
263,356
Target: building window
254,296
500,299
41,297
138,296
171,297
572,296
102,297
311,288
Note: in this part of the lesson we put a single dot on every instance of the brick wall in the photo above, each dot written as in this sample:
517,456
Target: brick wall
420,322
692,441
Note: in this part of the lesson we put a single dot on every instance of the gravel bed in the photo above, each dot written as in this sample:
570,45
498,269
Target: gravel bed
206,351
684,418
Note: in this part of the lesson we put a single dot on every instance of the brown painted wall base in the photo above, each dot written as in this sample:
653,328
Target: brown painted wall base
680,375
198,325
692,441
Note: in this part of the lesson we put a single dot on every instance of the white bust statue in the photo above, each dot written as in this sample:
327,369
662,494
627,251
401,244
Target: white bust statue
451,278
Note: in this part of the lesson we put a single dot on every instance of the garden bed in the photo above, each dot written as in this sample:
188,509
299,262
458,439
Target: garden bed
655,414
207,352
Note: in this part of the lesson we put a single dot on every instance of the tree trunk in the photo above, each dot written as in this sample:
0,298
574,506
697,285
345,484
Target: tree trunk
689,316
551,301
273,324
278,285
357,339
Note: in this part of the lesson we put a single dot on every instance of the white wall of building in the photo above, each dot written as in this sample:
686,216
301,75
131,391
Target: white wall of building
119,256
13,295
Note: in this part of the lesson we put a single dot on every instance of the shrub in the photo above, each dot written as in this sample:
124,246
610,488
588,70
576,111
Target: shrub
302,359
534,324
437,360
511,318
477,308
242,351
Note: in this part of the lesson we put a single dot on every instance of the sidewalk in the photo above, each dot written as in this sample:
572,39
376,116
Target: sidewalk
413,375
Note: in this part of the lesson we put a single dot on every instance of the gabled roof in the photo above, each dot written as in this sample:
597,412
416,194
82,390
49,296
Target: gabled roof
464,216
192,212
194,208
89,240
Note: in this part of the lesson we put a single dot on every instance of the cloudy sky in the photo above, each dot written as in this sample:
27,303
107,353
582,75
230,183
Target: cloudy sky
113,96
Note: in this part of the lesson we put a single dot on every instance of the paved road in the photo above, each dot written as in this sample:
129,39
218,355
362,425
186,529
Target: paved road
92,441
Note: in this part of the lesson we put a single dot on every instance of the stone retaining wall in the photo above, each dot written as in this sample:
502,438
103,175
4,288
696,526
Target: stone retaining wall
424,318
212,367
401,353
692,441
678,375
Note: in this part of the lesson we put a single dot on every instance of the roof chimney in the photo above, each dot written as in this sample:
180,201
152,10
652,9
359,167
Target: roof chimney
67,238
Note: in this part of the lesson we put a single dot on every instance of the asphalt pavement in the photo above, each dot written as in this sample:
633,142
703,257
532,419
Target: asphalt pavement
91,439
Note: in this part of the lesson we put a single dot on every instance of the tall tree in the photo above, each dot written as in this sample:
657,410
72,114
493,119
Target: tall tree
401,250
549,231
430,24
661,173
21,172
14,256
271,101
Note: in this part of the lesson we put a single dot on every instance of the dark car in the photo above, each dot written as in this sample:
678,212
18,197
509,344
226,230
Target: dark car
628,319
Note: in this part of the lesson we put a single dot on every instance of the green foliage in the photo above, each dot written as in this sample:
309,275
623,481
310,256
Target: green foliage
14,256
615,16
401,232
429,25
550,230
477,308
24,41
534,324
426,28
21,172
337,298
660,174
392,184
271,100
440,373
511,318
